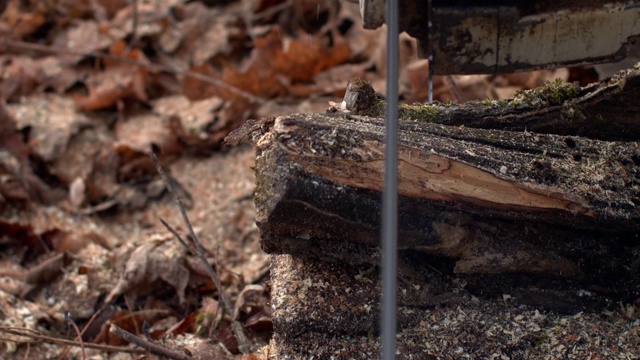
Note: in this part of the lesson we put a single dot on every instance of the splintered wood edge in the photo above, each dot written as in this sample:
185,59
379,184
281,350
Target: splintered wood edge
434,177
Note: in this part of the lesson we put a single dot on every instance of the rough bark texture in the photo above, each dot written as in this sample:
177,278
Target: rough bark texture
484,197
544,218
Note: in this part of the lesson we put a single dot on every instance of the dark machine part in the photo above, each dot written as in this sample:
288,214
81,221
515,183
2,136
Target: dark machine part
503,36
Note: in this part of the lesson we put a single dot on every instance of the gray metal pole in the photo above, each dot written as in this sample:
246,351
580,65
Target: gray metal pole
390,196
430,51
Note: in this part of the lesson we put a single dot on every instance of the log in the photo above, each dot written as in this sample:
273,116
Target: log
605,111
489,219
495,201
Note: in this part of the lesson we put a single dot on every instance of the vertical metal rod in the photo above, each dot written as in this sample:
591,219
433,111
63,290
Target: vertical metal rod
430,51
390,196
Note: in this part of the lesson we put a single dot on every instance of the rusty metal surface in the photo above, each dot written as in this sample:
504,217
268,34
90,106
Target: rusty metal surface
511,36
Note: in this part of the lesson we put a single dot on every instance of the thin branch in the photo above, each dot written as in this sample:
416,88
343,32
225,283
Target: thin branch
17,44
243,342
148,346
177,236
200,251
86,326
73,324
33,334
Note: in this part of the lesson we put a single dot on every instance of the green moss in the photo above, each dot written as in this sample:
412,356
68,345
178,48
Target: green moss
548,94
514,102
375,109
421,112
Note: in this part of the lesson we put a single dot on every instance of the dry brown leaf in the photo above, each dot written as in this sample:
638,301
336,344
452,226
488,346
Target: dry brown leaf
90,158
247,297
197,117
151,17
139,135
331,81
85,37
18,22
304,57
46,270
129,321
22,76
74,241
10,139
158,259
51,121
19,184
201,35
292,60
12,275
474,87
118,81
213,42
13,189
260,322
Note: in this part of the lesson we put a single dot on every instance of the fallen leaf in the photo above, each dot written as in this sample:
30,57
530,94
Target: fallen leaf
46,270
86,36
11,139
12,189
139,135
160,258
118,81
19,21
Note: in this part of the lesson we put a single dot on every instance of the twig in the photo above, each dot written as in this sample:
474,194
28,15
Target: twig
154,67
33,334
194,237
70,321
175,233
243,342
148,346
86,326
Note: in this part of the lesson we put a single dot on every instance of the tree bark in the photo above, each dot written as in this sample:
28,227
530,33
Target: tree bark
605,111
496,201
